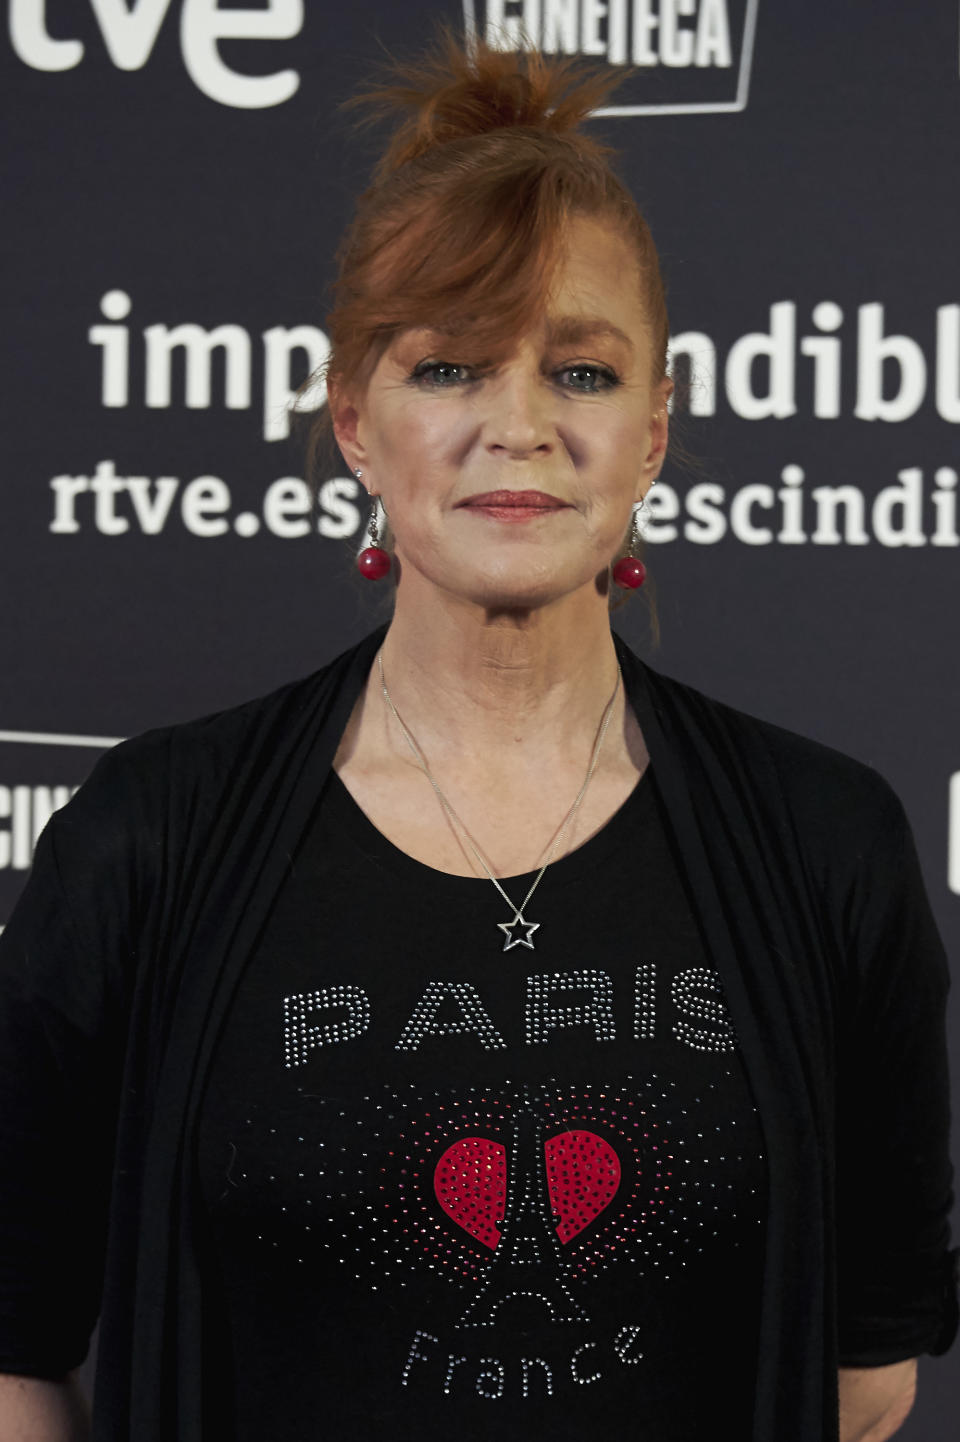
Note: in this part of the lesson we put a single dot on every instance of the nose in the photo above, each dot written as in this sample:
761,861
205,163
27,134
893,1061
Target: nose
520,420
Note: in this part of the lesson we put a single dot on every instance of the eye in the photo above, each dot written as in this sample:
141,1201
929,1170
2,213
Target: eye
437,373
440,375
607,377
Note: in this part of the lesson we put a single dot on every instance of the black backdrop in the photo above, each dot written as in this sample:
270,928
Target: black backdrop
178,175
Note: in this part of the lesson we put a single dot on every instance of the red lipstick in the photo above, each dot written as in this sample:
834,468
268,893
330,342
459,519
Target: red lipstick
526,500
513,506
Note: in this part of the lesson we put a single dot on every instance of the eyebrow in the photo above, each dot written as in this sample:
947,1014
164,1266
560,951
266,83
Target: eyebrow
561,331
569,328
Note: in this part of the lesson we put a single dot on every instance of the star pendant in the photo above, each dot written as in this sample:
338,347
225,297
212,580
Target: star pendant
507,927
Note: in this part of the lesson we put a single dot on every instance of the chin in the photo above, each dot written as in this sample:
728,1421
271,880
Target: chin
528,594
508,587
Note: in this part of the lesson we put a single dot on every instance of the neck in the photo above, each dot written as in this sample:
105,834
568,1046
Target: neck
502,689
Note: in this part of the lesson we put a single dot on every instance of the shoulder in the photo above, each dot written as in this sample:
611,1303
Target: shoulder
787,779
170,780
206,749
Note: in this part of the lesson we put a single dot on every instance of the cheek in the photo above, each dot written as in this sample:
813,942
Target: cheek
617,452
415,492
632,444
620,428
634,426
419,443
418,416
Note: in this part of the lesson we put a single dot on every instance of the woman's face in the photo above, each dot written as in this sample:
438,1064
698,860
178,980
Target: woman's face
572,414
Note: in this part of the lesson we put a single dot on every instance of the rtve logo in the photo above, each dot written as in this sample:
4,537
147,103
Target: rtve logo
129,33
695,55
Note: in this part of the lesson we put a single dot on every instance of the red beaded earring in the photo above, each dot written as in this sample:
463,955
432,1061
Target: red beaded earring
373,561
629,573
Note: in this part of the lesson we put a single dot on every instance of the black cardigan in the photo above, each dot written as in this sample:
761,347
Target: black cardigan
147,895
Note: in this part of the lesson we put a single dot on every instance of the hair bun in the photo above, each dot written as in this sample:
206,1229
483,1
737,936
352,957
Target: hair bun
458,90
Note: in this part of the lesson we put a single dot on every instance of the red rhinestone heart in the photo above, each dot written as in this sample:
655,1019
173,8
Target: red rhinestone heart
583,1175
470,1180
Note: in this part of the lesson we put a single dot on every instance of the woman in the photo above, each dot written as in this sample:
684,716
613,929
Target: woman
484,1032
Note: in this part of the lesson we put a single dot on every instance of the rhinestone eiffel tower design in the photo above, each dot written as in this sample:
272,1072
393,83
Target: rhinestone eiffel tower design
528,1262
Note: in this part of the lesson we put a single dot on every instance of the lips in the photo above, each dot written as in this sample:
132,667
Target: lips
526,500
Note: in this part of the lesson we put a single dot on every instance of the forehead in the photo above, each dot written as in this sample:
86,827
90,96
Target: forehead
598,274
597,287
596,297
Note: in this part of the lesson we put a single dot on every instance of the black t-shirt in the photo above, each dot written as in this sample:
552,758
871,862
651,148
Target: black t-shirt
449,1186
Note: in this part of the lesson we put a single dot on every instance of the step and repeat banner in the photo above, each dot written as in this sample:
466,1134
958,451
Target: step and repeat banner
178,174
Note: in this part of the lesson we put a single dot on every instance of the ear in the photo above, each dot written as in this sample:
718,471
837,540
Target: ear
659,435
345,420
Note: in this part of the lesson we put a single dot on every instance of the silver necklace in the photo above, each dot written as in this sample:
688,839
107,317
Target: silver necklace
518,924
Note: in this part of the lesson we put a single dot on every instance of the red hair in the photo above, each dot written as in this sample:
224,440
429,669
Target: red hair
462,225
